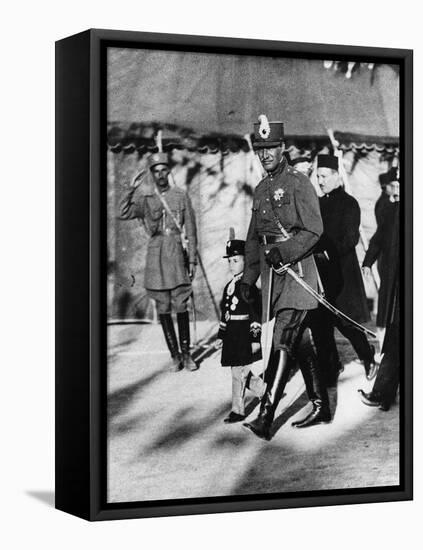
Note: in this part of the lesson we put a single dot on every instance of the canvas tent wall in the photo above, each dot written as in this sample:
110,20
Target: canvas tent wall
205,106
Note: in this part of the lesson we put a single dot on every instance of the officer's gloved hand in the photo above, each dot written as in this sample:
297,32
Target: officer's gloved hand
246,294
274,258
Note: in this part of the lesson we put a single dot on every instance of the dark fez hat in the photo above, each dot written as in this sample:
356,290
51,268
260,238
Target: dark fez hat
234,247
388,177
158,158
327,161
267,134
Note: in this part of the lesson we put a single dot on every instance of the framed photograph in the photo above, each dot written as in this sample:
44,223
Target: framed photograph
234,274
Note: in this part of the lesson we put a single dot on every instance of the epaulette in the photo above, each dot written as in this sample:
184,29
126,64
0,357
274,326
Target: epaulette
297,174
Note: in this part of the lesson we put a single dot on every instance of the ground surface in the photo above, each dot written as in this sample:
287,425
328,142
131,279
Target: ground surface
167,439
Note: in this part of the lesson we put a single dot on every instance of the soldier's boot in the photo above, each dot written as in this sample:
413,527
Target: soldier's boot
316,390
171,341
262,424
320,414
184,339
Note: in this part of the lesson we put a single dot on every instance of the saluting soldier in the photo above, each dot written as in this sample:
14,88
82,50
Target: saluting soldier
285,225
340,271
168,218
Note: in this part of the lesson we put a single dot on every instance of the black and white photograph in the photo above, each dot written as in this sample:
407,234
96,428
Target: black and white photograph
254,283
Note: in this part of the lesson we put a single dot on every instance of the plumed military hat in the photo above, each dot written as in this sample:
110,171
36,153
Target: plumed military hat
234,247
328,161
158,158
267,134
299,160
388,177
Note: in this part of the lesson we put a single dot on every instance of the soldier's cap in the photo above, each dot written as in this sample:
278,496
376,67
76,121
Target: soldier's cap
158,158
235,247
299,160
388,177
328,161
267,134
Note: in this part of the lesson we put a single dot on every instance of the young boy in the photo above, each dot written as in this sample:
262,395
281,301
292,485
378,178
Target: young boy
239,333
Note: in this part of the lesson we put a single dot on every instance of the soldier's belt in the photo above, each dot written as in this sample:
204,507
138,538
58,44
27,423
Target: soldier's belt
167,232
271,239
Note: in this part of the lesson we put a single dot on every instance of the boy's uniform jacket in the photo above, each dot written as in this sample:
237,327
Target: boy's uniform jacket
239,325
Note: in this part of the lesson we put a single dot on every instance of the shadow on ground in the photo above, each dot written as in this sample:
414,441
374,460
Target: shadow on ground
122,398
46,497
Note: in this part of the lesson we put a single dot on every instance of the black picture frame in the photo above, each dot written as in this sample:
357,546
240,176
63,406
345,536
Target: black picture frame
81,286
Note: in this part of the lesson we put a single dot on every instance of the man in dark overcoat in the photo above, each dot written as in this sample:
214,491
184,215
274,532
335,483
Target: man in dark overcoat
380,246
340,271
285,225
385,387
165,212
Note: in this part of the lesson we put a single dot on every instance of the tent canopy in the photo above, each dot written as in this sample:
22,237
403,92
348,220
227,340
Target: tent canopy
200,94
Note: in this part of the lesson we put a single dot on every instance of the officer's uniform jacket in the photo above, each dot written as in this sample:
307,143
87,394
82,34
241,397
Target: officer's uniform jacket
165,265
239,325
296,206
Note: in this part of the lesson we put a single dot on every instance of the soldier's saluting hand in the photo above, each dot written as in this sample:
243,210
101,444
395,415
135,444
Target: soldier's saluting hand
165,212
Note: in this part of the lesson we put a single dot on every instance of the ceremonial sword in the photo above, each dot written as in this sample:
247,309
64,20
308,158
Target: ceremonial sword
321,299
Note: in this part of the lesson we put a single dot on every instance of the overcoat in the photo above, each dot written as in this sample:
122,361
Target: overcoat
381,205
341,222
383,247
165,264
239,325
289,197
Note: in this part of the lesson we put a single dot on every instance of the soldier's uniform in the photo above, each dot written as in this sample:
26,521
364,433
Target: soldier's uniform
166,279
239,328
286,224
289,197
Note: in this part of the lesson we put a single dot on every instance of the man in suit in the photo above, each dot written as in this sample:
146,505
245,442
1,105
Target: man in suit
385,387
338,266
380,247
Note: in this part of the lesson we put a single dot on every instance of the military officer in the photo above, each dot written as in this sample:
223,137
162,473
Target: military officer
166,213
340,271
285,225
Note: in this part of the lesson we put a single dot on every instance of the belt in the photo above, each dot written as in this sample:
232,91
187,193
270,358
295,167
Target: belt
270,239
166,232
239,317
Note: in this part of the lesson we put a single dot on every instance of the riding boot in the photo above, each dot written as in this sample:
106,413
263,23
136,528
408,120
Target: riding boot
171,341
317,393
316,390
320,414
184,340
261,425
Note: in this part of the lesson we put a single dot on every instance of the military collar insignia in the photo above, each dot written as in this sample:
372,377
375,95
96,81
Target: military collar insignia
278,194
